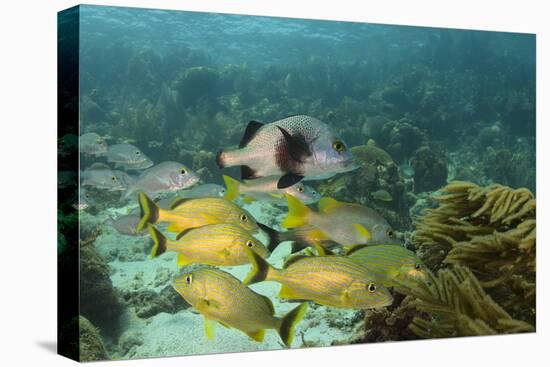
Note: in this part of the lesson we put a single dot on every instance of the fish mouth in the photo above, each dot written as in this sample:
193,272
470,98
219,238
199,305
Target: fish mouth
349,165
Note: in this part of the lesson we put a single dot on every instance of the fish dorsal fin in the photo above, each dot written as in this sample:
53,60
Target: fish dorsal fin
365,233
321,250
250,131
355,248
327,204
296,145
269,304
257,335
183,233
292,259
177,202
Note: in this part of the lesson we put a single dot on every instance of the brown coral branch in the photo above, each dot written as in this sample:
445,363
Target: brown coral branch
492,230
458,306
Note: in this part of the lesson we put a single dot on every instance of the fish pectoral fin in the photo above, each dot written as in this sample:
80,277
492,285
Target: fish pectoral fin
288,293
296,145
345,297
183,261
363,232
257,335
225,253
209,328
288,180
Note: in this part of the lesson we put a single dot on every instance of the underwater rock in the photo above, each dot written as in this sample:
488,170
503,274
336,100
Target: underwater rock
387,324
430,169
147,303
492,231
196,83
510,168
91,344
99,301
400,138
144,74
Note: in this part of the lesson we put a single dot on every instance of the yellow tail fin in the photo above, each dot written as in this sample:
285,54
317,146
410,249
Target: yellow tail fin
298,213
232,185
149,212
289,322
159,241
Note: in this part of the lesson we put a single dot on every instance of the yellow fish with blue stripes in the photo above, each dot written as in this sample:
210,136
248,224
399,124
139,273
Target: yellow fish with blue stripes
389,263
192,213
219,244
335,281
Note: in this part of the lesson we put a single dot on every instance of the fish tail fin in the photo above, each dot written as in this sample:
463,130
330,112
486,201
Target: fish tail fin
232,185
298,213
289,322
149,212
260,268
274,236
159,241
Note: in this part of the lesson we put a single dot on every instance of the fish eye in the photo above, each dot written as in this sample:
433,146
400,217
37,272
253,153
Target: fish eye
113,178
189,279
371,287
249,243
183,171
137,152
243,217
300,189
417,266
338,146
389,232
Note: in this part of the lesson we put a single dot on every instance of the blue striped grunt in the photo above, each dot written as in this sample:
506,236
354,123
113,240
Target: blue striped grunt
214,244
221,297
336,281
389,262
192,213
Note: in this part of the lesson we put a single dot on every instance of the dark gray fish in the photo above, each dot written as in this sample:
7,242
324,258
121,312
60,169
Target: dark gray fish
295,148
128,156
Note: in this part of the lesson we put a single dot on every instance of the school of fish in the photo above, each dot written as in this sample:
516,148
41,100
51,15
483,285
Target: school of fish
346,254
